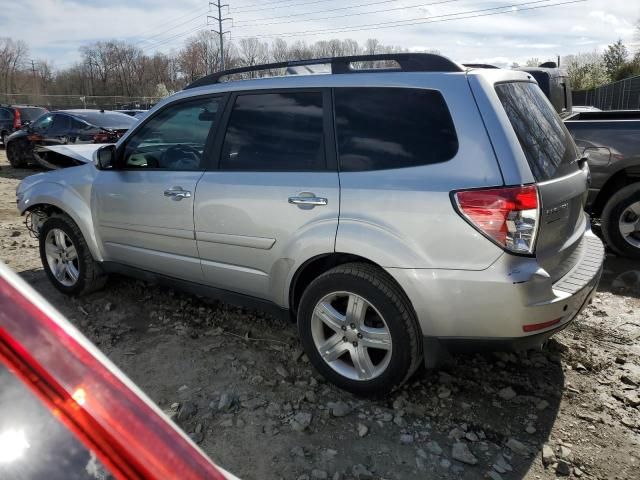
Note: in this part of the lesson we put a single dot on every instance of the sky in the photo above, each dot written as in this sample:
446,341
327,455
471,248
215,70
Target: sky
464,30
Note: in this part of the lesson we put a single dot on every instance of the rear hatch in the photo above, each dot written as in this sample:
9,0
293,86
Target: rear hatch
560,174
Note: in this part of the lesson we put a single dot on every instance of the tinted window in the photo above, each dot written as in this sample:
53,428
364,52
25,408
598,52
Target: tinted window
275,131
30,113
5,115
544,139
42,124
61,124
382,128
112,120
173,139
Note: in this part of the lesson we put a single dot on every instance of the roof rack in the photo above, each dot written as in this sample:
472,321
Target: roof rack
479,65
409,62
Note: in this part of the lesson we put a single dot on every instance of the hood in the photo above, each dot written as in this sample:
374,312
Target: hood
81,153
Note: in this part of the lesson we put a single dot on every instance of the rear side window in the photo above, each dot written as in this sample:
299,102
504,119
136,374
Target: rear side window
31,113
544,139
275,131
383,128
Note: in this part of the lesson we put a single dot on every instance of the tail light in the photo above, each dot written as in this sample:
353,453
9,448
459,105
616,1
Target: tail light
509,215
89,395
17,120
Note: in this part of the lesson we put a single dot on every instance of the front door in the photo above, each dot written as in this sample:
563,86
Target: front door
144,206
275,195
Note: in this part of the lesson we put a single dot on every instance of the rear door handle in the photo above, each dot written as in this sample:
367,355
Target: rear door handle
177,193
309,201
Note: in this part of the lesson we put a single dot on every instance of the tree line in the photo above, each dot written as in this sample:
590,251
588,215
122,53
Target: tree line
117,68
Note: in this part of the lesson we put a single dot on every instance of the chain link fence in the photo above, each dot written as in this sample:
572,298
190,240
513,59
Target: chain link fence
62,102
621,95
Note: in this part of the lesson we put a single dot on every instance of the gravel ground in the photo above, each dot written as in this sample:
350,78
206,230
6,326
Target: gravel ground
238,383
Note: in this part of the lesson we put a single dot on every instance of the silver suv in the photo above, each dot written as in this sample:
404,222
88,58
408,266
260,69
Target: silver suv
395,213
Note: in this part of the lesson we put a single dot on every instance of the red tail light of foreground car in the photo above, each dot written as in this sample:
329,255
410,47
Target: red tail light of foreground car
89,395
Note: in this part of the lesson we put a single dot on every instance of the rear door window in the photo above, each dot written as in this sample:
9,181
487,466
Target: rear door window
61,125
544,139
275,131
383,128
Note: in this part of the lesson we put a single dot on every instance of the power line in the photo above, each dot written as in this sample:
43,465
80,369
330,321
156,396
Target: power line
346,14
169,29
419,20
154,28
285,6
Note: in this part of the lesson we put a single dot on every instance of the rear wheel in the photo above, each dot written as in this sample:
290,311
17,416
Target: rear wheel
359,330
66,258
15,155
621,221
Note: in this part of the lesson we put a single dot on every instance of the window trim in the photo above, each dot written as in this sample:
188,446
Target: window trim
384,87
208,146
330,163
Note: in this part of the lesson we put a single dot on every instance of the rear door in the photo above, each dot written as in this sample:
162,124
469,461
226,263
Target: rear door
275,195
554,161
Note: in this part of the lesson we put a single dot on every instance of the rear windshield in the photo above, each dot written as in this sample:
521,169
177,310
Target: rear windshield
30,113
112,120
544,139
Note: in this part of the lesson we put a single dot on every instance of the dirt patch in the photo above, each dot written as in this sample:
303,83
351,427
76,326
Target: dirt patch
238,383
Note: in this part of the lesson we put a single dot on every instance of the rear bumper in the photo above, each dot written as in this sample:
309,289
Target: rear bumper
495,308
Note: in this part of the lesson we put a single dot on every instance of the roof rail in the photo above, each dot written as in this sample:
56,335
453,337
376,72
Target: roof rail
479,65
409,62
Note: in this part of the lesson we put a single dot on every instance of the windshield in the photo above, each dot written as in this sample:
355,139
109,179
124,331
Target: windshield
113,120
31,113
544,139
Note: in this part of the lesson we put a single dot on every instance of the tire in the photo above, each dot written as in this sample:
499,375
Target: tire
15,156
389,322
88,273
618,210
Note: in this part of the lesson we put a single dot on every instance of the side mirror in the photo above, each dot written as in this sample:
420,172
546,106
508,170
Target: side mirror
104,158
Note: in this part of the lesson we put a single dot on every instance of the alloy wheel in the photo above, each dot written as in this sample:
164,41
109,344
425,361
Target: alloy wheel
351,336
629,224
62,257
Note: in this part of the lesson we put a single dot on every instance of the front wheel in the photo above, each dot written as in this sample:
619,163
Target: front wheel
15,155
66,258
621,221
359,330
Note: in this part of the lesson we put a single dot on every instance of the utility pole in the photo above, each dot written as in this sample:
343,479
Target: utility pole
218,4
35,80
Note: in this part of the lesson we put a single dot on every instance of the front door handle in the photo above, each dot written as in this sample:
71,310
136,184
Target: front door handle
177,193
307,199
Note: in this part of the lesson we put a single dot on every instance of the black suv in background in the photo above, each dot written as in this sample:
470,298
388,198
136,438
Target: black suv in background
14,117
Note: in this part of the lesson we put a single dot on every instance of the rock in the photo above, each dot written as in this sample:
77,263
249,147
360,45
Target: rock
472,437
197,437
310,396
301,421
339,409
530,429
280,370
493,475
319,474
227,421
361,472
297,452
400,421
444,393
420,465
565,453
444,463
542,404
577,472
362,430
501,465
563,468
507,393
421,453
108,307
434,448
225,402
187,410
254,403
632,399
461,452
516,446
548,457
406,439
15,233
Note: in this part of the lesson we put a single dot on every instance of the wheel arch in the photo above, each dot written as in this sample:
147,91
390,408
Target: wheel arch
617,181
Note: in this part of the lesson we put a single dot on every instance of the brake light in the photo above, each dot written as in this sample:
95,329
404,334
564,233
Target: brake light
101,137
89,395
17,120
508,215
